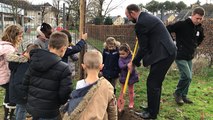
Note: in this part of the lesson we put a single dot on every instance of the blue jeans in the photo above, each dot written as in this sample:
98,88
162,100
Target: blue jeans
185,69
21,111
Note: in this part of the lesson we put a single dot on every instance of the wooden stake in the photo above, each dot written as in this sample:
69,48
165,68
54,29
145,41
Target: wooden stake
82,30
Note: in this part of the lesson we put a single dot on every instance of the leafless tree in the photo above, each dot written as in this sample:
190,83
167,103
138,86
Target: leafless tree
17,7
44,10
73,12
95,8
111,7
102,7
56,10
92,10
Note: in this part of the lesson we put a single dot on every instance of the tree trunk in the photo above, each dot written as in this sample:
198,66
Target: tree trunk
210,62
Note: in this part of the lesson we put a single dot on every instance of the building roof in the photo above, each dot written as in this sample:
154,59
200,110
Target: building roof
184,14
20,3
38,7
24,4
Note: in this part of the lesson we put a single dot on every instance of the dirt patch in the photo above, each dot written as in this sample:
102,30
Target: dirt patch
128,114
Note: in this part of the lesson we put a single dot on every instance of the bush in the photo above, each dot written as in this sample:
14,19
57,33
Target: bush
98,21
199,65
108,21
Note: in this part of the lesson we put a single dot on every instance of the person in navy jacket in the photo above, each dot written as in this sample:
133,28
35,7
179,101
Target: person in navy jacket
73,49
111,68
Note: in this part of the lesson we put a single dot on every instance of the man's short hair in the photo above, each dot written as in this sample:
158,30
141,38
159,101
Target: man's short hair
58,40
92,59
133,7
198,10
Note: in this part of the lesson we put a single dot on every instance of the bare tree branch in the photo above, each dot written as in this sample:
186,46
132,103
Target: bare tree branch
56,10
108,10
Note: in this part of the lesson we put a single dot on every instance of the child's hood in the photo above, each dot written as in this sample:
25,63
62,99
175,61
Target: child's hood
117,44
6,47
43,60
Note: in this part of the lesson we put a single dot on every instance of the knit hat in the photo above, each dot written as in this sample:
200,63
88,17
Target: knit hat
46,29
39,31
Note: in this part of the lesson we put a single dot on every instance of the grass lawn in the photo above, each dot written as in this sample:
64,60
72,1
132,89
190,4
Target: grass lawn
201,92
95,43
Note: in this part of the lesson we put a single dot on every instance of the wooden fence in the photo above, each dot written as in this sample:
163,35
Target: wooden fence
122,33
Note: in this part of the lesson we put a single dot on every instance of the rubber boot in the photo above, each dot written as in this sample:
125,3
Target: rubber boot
10,108
120,99
131,96
6,113
12,115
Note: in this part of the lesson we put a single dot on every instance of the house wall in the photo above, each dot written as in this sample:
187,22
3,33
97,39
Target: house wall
36,18
118,21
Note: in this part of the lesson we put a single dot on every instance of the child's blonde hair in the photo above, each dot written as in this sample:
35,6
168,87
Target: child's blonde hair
11,34
92,59
111,41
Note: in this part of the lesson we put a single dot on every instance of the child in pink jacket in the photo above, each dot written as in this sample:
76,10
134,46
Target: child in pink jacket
9,43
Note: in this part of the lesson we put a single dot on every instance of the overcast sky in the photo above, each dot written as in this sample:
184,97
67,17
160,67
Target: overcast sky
121,9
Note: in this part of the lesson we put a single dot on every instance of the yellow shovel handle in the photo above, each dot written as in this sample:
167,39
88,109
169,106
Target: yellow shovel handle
128,73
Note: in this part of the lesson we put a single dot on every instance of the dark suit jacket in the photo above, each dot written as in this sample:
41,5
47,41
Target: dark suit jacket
155,42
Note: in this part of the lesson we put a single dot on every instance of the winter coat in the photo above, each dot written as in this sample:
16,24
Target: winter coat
42,44
124,69
94,102
5,48
155,42
73,49
111,69
17,92
188,37
47,82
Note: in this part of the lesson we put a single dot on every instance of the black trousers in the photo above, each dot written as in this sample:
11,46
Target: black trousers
6,97
154,83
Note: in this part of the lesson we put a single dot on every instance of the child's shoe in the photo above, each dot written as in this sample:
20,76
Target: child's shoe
131,106
131,101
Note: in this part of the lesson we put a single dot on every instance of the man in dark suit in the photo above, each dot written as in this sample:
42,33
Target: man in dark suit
157,50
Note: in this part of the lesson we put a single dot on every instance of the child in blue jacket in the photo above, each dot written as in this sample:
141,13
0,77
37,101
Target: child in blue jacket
110,53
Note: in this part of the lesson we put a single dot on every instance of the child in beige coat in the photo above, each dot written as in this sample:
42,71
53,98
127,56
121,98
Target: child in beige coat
94,97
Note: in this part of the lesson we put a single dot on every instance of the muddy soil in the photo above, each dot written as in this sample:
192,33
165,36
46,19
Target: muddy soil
127,114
